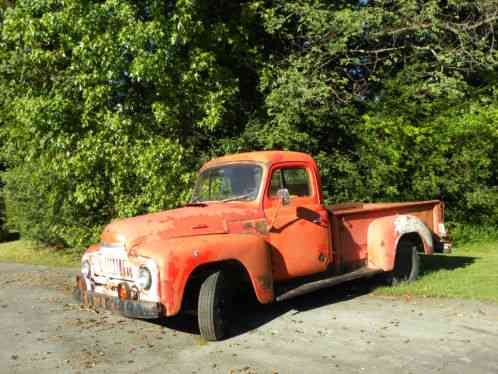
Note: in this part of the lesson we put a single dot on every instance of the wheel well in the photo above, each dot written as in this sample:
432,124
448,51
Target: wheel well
414,238
237,273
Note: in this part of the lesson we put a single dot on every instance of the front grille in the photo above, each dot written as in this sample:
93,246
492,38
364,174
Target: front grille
112,263
116,267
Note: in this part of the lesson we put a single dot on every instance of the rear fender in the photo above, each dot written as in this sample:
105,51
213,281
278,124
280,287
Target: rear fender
384,235
188,254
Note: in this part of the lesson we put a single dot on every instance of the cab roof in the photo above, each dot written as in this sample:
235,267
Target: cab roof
267,157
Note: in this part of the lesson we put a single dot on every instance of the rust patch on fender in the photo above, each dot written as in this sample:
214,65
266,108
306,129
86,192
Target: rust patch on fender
266,282
262,227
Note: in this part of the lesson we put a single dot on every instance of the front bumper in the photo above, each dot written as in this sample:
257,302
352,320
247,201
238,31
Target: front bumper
128,308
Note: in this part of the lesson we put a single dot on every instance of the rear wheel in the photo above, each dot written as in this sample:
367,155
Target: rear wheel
406,264
214,307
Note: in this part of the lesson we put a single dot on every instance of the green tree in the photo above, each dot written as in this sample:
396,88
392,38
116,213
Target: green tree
108,105
391,97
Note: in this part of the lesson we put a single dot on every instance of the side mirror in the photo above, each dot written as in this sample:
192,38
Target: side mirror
284,196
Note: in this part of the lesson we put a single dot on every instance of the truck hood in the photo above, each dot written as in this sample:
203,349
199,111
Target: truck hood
207,219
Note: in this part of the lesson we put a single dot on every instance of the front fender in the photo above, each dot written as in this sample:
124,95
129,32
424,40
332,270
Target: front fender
384,234
184,255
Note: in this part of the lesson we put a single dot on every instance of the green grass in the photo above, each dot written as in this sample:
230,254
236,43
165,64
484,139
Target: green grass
470,272
27,252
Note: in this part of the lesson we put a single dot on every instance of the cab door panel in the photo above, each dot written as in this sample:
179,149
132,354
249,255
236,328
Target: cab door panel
299,237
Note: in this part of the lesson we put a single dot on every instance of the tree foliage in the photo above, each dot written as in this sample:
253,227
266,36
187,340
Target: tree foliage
396,99
108,107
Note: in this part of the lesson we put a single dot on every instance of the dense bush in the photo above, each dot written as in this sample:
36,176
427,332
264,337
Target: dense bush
108,107
397,100
450,155
3,230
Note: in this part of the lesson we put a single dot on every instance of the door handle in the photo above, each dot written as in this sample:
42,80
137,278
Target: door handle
317,220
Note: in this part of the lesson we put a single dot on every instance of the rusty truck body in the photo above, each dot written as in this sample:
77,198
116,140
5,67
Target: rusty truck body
257,220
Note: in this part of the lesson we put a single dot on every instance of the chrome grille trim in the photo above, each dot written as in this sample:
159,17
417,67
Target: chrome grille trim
112,262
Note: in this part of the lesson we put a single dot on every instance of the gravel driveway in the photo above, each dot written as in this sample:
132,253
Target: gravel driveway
341,330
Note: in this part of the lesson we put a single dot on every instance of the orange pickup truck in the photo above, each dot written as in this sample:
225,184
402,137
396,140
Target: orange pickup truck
256,220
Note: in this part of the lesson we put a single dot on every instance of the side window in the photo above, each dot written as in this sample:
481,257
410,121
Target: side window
296,180
276,182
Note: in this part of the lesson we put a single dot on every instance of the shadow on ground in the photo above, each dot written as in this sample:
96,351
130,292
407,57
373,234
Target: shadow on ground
249,314
436,262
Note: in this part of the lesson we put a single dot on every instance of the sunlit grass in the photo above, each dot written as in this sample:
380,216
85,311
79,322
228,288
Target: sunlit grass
470,272
26,252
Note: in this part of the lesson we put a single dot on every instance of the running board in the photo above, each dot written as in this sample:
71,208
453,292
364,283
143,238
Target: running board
327,282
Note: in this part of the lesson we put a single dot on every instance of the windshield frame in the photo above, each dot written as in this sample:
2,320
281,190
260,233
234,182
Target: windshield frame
258,195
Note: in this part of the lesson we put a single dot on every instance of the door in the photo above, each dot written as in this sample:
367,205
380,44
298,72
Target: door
299,235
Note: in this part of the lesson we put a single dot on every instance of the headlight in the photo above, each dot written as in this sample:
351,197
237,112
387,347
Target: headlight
85,269
144,279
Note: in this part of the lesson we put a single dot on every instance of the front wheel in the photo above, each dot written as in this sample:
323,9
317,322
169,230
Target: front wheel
406,264
214,307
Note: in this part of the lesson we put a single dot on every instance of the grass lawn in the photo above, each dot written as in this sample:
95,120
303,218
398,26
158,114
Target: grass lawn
470,272
27,252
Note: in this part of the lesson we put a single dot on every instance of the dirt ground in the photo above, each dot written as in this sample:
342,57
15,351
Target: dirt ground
339,330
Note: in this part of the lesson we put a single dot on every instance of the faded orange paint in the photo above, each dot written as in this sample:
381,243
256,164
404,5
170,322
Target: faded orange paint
265,157
367,233
270,241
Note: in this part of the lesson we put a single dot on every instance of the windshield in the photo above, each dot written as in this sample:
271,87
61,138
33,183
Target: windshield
228,183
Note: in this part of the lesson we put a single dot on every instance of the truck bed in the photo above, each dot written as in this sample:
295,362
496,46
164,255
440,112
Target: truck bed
350,223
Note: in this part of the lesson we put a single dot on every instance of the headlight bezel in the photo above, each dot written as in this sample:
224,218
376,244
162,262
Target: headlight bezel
86,269
144,278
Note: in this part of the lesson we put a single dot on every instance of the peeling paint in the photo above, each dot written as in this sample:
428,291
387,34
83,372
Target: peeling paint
262,227
404,224
265,281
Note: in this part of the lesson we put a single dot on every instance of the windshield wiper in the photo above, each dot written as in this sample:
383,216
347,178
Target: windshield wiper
239,197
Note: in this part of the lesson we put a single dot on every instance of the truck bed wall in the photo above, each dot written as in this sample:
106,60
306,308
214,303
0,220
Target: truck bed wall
351,221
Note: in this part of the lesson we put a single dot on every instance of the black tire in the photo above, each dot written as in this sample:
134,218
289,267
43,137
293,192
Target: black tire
214,307
406,264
